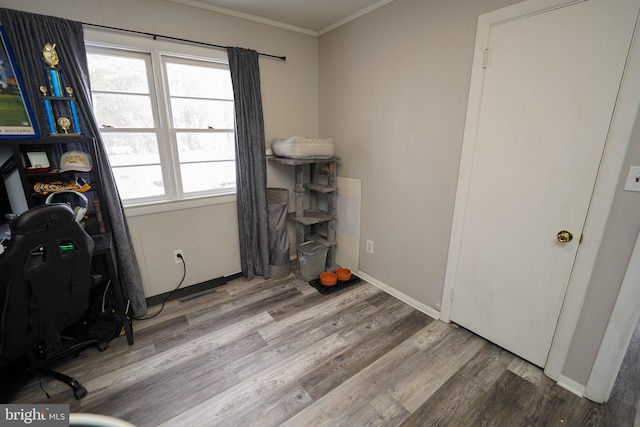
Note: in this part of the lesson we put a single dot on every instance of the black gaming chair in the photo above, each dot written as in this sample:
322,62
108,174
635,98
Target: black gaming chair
45,283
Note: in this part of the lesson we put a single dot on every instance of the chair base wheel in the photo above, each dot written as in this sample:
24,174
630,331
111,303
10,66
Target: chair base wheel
80,392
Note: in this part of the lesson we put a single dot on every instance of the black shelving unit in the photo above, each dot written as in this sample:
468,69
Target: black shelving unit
96,224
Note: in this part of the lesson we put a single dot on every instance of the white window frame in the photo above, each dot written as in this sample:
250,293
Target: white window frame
172,200
174,131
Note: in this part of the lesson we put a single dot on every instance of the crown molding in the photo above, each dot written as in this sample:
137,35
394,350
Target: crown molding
285,26
354,16
247,16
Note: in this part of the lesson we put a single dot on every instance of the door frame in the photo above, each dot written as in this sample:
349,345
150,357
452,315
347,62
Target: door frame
616,145
620,329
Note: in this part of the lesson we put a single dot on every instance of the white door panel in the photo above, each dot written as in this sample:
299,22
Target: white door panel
549,90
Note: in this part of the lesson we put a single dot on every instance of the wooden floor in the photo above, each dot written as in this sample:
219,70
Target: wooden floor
280,354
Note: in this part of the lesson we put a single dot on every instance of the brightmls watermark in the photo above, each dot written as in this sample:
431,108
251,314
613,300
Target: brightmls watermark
34,415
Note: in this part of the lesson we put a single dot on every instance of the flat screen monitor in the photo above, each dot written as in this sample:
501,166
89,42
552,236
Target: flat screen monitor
5,204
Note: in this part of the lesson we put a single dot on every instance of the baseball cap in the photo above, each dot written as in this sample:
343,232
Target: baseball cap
75,161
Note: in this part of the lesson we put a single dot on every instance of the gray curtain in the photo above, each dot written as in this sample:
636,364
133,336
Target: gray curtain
251,168
27,34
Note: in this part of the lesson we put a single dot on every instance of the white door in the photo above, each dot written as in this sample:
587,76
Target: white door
548,93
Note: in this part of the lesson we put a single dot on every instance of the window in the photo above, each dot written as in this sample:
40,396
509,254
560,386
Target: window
202,116
167,122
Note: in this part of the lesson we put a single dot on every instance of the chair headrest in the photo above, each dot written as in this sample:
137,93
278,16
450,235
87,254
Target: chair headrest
41,216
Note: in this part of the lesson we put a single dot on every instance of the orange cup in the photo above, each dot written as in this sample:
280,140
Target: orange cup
328,278
343,274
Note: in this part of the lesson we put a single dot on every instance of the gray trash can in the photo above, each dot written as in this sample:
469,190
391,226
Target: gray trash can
312,257
277,204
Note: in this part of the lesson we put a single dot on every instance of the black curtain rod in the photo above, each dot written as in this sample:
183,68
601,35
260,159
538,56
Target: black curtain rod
156,36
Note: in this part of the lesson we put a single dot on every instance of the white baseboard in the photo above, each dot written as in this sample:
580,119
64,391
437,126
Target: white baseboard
402,297
571,385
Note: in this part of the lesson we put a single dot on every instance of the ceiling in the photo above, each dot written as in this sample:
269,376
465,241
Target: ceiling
313,17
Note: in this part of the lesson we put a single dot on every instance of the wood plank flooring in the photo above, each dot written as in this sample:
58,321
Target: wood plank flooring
279,353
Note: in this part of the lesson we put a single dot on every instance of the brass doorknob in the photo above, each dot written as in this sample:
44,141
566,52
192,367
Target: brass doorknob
565,236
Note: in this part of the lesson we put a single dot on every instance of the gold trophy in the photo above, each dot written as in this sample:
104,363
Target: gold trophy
65,124
58,98
50,55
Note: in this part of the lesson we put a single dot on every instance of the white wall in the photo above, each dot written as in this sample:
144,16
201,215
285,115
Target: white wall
208,234
393,94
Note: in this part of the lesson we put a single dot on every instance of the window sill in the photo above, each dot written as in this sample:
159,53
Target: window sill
176,205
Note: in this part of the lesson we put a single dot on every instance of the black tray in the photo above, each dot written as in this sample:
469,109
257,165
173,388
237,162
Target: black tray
326,290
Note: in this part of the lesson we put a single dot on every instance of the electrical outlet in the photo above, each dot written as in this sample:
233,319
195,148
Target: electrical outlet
177,258
370,246
633,179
